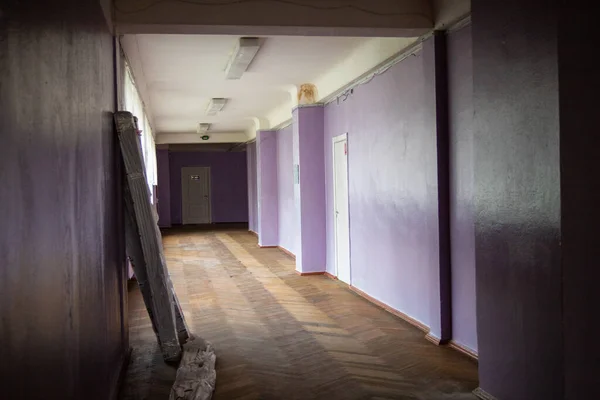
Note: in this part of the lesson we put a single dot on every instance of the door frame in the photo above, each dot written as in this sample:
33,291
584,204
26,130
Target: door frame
184,213
336,139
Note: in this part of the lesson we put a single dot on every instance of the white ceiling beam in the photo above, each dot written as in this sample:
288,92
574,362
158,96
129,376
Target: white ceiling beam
193,137
261,18
448,12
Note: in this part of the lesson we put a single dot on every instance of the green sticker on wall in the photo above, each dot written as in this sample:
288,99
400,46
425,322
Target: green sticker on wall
205,137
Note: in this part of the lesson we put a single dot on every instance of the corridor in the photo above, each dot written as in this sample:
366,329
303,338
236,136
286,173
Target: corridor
278,335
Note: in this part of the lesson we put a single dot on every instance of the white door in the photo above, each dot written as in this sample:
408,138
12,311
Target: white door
195,196
340,204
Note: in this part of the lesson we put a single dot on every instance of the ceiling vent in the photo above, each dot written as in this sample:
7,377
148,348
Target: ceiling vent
203,128
215,106
242,57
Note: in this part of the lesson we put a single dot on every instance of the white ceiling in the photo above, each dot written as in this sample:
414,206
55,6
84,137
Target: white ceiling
182,72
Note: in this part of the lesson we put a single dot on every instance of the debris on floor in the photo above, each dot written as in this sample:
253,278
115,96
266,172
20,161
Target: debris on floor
196,376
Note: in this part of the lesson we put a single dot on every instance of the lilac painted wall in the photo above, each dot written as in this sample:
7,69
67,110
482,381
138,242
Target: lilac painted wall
285,187
229,190
296,161
392,187
266,183
462,211
252,200
164,188
309,194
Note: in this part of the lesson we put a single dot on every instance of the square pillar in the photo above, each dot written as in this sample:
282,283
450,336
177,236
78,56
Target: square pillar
266,185
537,189
436,78
164,188
309,187
252,188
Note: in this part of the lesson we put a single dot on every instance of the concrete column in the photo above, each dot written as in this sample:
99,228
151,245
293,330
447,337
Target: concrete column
266,185
309,187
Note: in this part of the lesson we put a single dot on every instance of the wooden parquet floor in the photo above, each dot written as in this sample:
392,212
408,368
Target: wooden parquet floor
278,335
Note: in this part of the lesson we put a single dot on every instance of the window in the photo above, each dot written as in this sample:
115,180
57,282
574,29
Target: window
133,103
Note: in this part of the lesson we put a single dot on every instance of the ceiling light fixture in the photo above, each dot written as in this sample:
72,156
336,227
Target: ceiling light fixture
244,53
203,128
215,106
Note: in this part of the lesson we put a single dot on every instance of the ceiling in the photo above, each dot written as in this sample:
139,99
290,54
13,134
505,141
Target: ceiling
180,74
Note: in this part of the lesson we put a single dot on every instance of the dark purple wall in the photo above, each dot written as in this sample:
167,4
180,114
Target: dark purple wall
462,212
63,328
164,188
285,186
517,199
580,196
392,187
252,188
229,186
435,120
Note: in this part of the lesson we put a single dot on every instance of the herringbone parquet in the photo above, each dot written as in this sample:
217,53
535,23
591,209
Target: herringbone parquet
278,335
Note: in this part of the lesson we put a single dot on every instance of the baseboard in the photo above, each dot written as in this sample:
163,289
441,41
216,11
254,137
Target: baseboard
252,233
267,247
391,310
436,340
463,349
286,251
121,374
330,276
309,273
482,394
430,337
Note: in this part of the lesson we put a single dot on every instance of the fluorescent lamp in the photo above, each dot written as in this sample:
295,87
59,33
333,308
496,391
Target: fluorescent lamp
215,106
244,53
203,128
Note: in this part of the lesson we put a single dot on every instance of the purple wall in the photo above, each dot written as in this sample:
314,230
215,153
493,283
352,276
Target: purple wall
537,189
392,187
266,183
229,190
62,263
252,189
285,186
295,163
462,211
517,199
580,196
436,121
164,188
309,194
